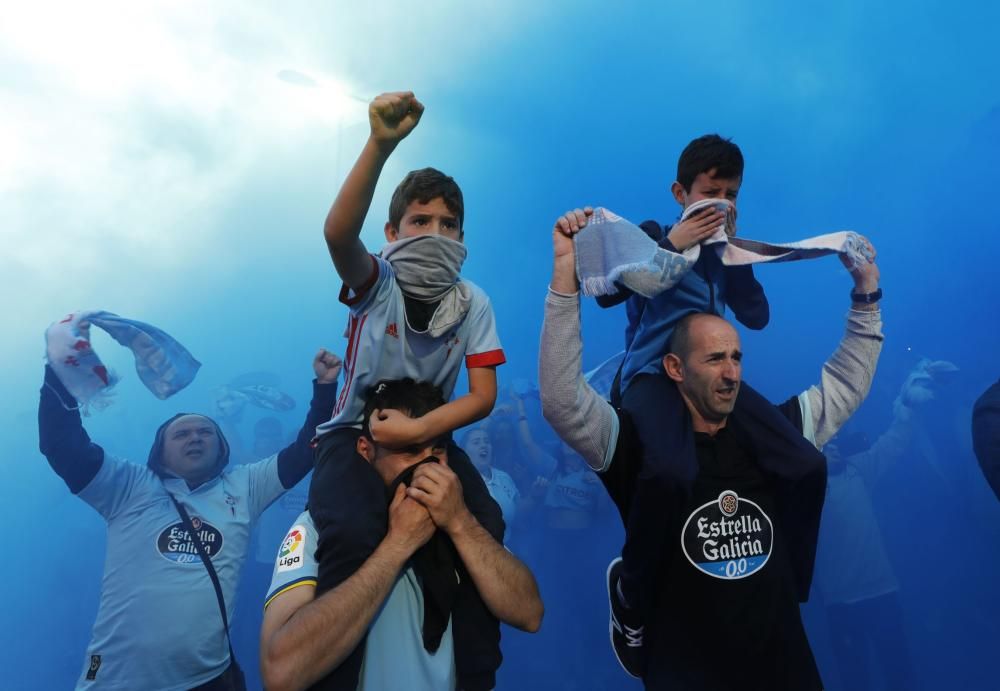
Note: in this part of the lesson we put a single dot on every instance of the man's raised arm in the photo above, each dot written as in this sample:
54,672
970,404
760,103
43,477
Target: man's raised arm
575,411
62,438
296,460
847,376
392,116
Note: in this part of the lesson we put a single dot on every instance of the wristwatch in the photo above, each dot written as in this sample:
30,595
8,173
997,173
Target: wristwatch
867,298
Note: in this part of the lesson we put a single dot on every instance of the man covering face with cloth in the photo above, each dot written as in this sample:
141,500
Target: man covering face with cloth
401,600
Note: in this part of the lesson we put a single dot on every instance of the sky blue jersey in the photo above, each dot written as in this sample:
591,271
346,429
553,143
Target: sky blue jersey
156,594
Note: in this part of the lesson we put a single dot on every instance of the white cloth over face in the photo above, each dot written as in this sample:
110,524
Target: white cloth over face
740,251
611,251
163,364
427,269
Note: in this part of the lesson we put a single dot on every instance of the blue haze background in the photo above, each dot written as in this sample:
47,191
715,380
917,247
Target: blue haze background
155,164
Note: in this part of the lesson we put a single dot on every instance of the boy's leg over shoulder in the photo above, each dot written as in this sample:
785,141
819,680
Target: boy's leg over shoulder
666,474
798,476
348,505
780,446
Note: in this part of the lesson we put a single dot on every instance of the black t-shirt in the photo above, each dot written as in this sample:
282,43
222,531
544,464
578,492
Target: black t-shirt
727,614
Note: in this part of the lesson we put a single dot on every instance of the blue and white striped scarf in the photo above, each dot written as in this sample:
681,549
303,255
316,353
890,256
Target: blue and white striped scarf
611,251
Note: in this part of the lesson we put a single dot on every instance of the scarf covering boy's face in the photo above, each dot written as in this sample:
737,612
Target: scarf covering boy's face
191,447
707,186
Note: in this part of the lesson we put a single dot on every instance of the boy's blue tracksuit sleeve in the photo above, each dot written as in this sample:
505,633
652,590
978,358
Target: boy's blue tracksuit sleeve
745,297
62,438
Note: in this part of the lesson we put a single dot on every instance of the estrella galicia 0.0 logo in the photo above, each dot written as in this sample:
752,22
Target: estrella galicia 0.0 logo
728,538
175,543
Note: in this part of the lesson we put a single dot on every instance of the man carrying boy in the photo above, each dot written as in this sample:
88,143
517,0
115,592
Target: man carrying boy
305,636
736,554
709,168
411,315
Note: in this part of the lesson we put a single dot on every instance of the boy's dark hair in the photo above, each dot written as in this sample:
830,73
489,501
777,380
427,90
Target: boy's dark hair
708,152
414,398
422,186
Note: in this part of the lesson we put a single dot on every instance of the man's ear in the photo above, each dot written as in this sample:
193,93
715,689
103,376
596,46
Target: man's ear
391,232
673,366
678,192
366,448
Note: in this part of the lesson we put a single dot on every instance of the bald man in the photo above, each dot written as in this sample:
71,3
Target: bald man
742,521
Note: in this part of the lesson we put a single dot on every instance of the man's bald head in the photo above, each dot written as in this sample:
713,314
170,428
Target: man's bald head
704,360
690,328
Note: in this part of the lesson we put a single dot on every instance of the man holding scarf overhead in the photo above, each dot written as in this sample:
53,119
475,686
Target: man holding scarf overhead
178,527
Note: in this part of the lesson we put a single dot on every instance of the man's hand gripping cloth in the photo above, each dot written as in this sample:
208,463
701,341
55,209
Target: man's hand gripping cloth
612,250
163,364
427,269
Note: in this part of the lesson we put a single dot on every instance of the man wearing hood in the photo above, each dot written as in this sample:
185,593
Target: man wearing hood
159,624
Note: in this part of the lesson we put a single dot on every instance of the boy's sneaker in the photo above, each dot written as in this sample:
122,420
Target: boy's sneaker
625,627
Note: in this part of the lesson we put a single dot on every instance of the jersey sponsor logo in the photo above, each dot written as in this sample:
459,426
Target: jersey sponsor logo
392,330
292,549
728,538
175,543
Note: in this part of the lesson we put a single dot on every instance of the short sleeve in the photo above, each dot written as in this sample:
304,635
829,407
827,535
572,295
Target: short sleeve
295,564
482,348
115,485
375,289
264,485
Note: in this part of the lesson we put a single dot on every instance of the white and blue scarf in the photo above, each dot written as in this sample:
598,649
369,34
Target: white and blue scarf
163,364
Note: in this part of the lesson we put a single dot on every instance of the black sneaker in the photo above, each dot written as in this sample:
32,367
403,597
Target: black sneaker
625,627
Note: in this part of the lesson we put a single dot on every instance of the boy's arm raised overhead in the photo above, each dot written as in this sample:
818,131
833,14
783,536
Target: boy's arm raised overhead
392,116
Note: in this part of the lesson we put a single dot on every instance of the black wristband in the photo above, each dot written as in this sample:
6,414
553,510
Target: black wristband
867,298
